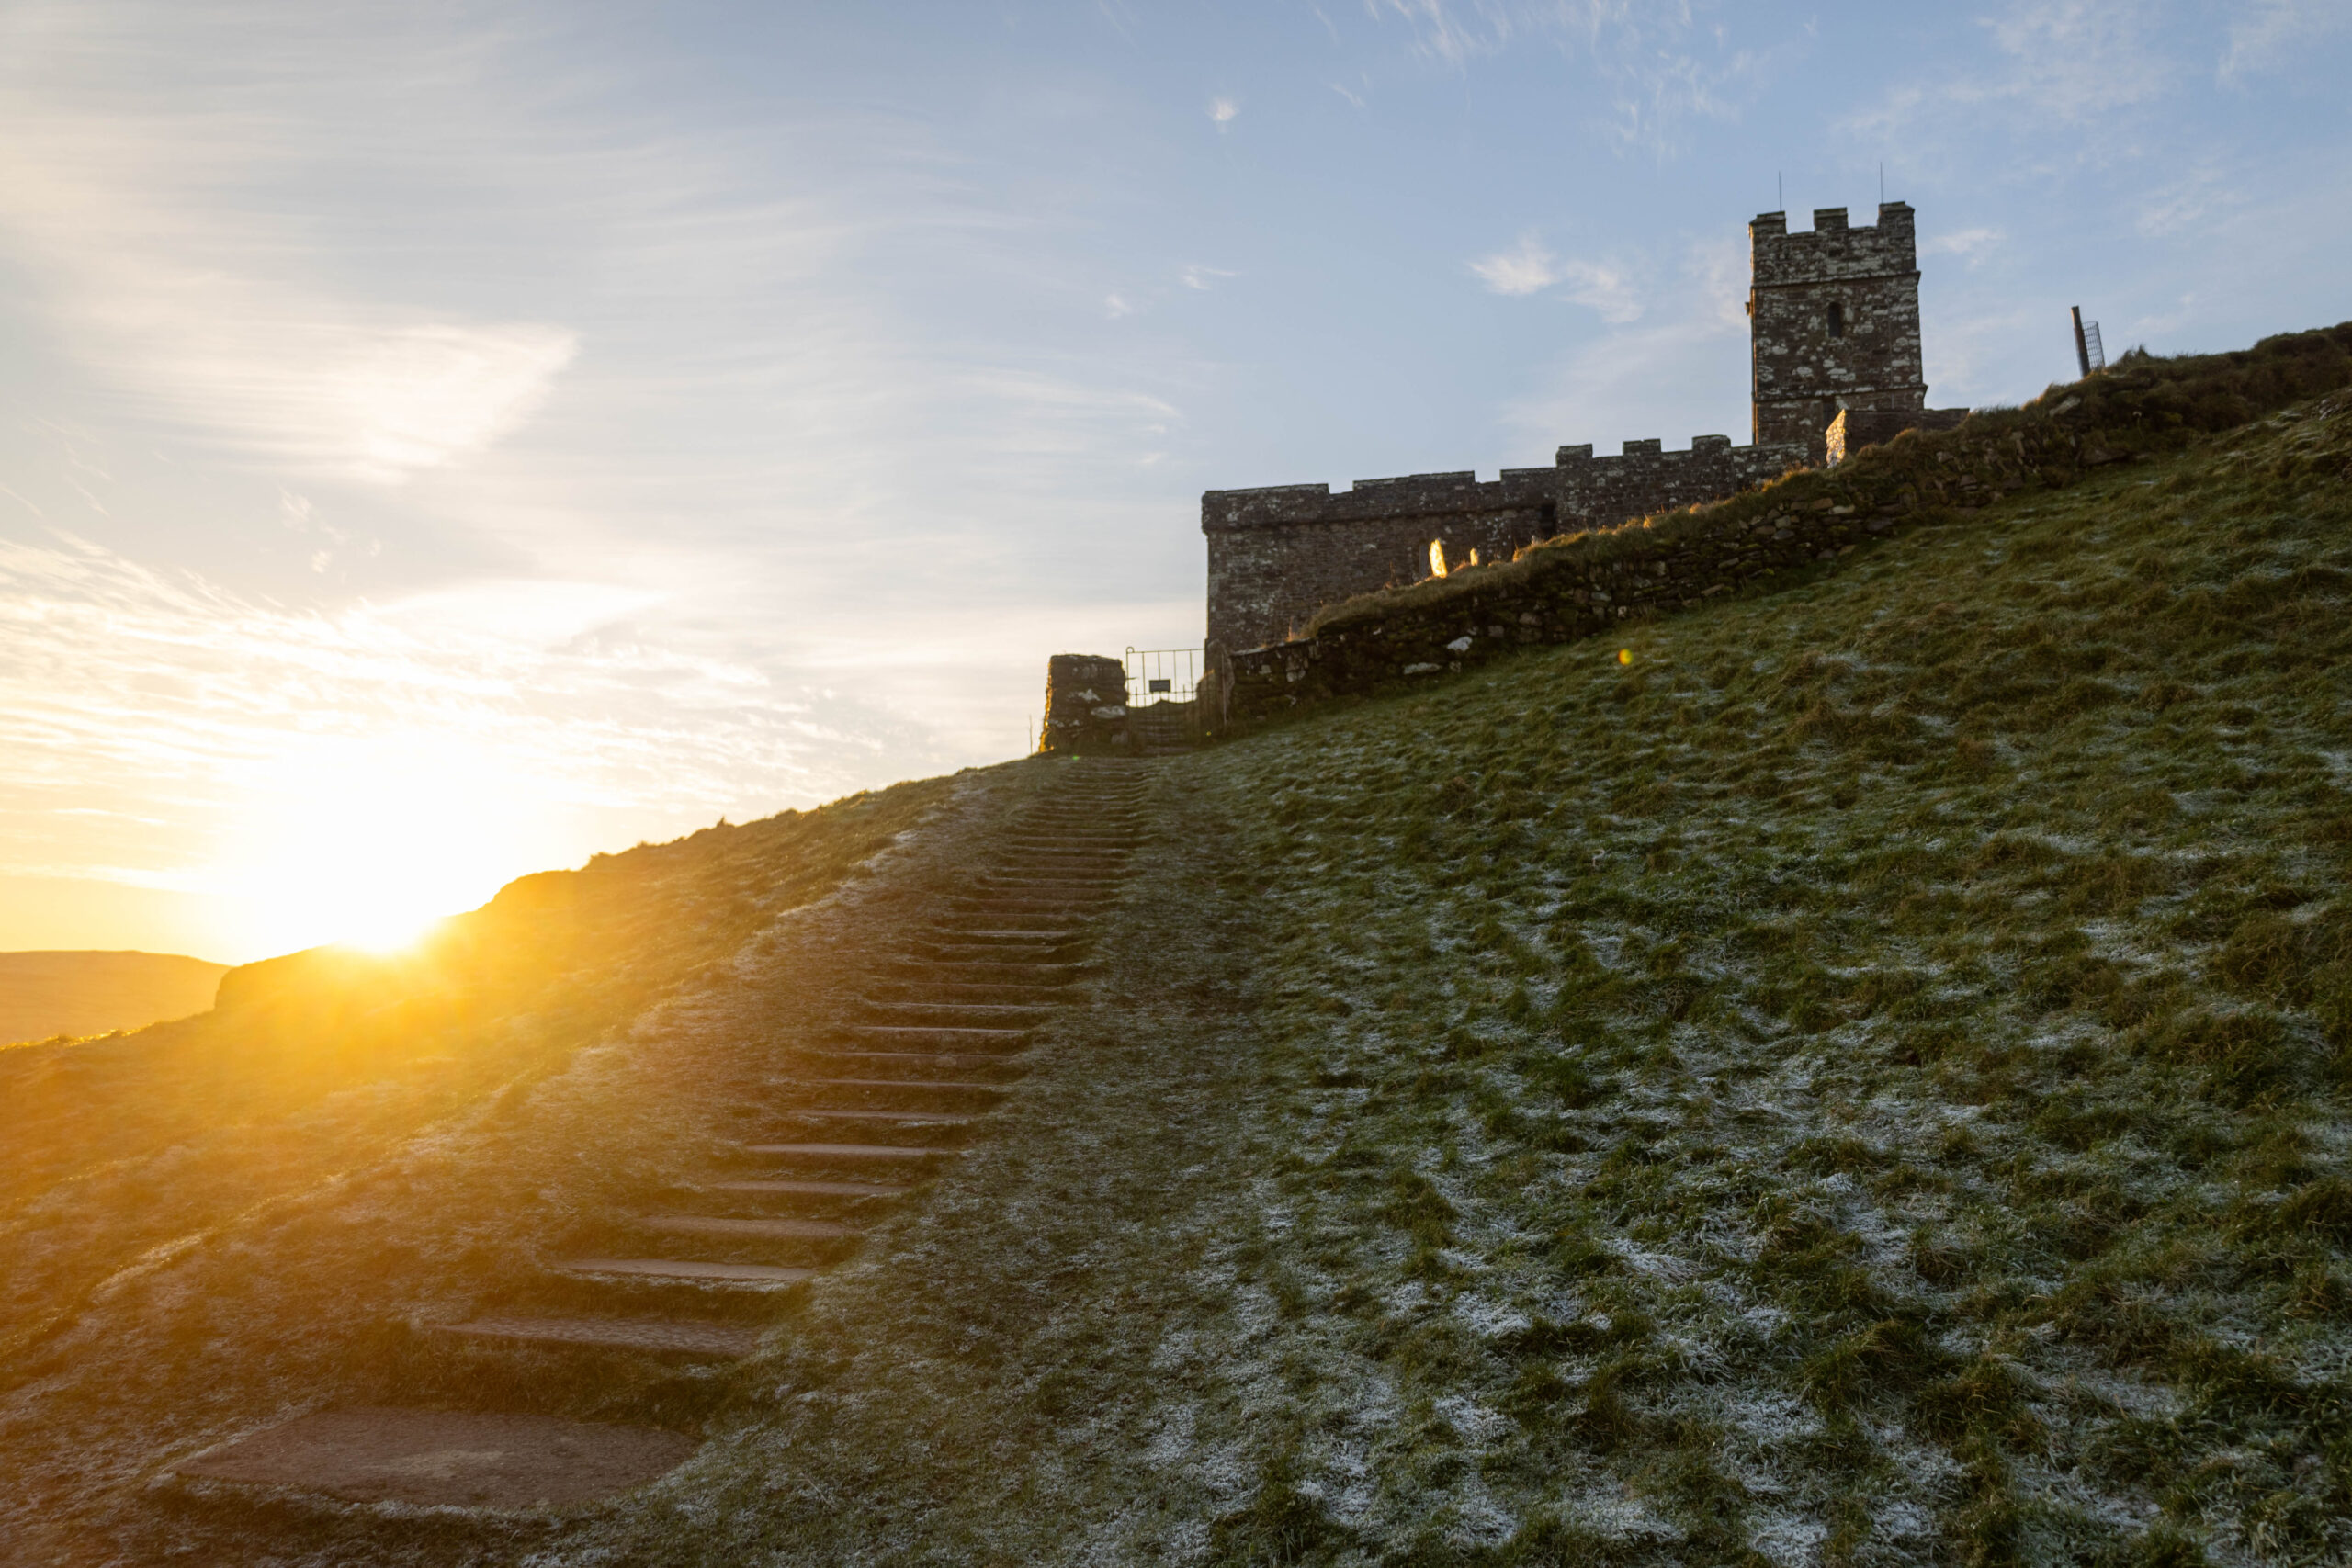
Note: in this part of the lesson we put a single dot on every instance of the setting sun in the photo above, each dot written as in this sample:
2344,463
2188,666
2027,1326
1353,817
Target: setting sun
368,843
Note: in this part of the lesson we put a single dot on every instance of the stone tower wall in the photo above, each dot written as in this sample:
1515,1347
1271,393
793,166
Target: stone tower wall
1834,322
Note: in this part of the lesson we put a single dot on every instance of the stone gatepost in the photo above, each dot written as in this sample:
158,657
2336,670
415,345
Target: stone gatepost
1086,703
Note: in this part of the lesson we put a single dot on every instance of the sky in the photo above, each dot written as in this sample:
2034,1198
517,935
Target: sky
443,441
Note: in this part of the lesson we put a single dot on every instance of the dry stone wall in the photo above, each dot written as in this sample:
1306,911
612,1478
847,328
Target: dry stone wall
1854,429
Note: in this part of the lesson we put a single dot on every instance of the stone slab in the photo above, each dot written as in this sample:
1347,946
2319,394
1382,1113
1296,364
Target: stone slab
936,1035
681,1269
845,1151
1008,936
933,1118
750,1229
904,1083
786,1185
958,1014
650,1336
448,1458
939,1058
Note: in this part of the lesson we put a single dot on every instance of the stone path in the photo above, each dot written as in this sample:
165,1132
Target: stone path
859,1118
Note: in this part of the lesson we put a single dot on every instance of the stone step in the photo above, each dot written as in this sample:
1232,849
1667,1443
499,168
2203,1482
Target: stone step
964,918
944,957
684,1268
951,1060
647,1336
988,965
1064,850
1066,905
855,1152
779,1186
1080,878
946,933
920,1037
1043,835
749,1229
448,1458
851,1113
946,993
954,1015
898,1083
1004,929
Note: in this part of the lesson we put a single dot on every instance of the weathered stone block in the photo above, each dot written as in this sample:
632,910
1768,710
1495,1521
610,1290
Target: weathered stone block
1086,703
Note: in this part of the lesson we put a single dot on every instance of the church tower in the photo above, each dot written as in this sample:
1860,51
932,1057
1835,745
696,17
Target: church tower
1833,321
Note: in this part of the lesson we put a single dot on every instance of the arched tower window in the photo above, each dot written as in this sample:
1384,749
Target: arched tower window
1837,320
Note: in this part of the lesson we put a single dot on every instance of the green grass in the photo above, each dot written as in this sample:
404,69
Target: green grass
1873,1072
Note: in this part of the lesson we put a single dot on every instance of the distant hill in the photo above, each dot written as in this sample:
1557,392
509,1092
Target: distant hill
43,994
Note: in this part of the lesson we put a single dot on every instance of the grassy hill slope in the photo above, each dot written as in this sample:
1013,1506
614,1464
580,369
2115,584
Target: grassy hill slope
114,1152
1864,1081
1868,1076
46,994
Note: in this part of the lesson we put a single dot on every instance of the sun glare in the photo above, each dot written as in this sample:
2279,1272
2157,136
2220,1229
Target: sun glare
371,844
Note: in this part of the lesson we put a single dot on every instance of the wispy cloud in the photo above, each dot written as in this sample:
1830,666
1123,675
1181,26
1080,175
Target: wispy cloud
2070,65
1661,69
2266,35
170,712
1223,112
1206,278
1529,268
1681,372
201,310
1972,245
2195,196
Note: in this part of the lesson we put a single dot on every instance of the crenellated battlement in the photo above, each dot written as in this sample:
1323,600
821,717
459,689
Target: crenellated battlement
1832,249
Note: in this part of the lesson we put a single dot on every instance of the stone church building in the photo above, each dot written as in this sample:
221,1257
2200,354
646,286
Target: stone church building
1834,333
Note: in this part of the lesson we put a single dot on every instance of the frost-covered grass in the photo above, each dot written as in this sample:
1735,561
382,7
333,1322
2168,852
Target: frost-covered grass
1864,1081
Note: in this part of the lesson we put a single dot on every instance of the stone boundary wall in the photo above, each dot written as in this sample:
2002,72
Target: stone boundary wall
1279,554
1585,586
1854,429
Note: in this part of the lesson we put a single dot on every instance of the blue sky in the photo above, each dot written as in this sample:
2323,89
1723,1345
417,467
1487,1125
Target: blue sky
441,441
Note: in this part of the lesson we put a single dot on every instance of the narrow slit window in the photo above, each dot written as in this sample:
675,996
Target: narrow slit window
1837,320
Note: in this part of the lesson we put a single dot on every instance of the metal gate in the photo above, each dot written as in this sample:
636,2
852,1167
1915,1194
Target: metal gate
1158,675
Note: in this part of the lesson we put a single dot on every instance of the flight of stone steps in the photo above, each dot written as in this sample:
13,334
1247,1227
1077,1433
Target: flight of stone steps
849,1120
1161,729
862,1117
